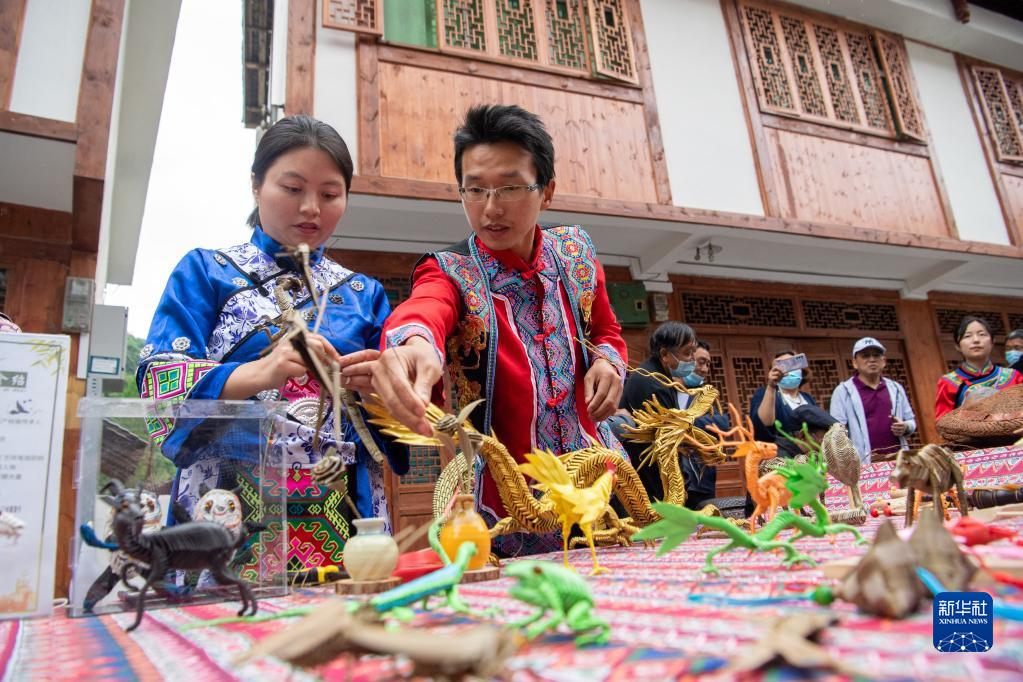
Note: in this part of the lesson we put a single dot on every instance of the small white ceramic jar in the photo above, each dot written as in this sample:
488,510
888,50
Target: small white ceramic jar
370,554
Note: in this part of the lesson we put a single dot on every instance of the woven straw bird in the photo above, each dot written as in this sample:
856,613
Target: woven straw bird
580,506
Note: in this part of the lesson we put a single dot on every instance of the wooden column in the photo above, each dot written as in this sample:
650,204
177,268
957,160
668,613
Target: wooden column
300,83
925,360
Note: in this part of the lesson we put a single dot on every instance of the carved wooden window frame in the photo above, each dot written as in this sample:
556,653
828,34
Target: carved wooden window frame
585,15
995,83
590,39
811,90
359,16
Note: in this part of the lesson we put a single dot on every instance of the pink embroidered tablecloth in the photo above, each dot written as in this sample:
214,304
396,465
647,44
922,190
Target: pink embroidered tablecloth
658,633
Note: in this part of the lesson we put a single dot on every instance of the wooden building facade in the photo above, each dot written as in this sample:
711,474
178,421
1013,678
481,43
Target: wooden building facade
72,179
774,175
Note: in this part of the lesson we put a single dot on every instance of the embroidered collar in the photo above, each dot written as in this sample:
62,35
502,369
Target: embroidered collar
970,370
271,247
504,269
512,261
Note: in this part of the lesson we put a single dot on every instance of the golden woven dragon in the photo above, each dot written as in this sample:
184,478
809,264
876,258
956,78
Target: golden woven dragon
537,515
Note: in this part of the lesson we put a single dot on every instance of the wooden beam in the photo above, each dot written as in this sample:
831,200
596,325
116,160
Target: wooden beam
37,126
12,18
926,362
33,223
83,264
842,135
436,61
87,199
96,92
420,189
662,185
300,85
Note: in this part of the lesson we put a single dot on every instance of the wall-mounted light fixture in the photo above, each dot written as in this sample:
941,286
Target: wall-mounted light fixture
710,249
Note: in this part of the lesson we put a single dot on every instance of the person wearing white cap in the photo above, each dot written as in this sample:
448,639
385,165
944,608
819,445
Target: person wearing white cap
874,408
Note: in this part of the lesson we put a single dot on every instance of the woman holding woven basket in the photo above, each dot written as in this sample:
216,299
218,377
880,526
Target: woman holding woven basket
976,376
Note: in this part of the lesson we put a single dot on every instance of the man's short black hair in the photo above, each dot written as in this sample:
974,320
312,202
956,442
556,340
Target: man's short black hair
700,343
493,123
1014,334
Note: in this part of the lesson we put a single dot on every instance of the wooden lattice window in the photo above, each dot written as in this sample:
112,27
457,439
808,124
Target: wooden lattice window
554,34
612,42
749,376
578,37
361,16
1001,98
830,72
949,319
700,309
841,315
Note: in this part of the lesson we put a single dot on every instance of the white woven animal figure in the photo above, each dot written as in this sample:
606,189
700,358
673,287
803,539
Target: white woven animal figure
220,506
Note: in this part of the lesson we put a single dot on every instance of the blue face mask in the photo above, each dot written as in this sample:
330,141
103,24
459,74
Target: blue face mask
792,379
683,369
692,380
1013,356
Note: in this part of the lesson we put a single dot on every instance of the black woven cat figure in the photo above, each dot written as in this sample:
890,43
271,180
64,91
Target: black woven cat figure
189,547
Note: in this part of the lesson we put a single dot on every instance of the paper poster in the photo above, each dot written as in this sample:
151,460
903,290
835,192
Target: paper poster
33,386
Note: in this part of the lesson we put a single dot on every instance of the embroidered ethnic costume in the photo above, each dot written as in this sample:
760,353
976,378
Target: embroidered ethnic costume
509,330
954,386
218,312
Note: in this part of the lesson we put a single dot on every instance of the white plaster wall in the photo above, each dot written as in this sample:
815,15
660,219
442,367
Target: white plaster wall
279,54
50,57
978,215
706,142
335,99
36,172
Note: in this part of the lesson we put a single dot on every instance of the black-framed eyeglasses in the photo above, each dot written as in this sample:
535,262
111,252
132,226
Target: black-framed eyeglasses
505,195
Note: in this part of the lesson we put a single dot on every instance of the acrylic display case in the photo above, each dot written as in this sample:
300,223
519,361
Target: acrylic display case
230,473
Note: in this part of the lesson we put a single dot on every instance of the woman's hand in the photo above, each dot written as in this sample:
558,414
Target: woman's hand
774,375
270,371
357,370
274,369
602,390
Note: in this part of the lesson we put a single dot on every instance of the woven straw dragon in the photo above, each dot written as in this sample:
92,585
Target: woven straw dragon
665,429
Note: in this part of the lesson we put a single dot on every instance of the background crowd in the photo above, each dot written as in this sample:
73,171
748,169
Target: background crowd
874,408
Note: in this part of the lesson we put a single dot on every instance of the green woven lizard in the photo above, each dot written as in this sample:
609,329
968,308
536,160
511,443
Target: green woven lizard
805,481
560,592
442,581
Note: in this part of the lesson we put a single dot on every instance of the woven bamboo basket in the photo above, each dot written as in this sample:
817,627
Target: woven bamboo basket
990,422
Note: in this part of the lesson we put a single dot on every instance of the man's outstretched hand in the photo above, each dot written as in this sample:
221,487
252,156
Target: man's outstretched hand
403,379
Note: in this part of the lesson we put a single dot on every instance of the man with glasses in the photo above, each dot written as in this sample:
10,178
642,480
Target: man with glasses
505,310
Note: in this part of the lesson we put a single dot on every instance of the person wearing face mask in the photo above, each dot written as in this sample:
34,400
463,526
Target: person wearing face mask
777,400
976,376
1014,349
674,353
701,478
